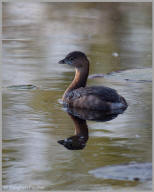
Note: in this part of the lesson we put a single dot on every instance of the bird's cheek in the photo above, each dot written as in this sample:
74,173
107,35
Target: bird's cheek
70,62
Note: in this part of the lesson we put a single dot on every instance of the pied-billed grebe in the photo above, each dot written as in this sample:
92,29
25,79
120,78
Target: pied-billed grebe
93,98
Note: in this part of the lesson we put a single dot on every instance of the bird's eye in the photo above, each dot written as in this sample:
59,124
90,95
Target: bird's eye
71,58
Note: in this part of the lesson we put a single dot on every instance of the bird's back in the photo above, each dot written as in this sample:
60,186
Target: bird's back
95,98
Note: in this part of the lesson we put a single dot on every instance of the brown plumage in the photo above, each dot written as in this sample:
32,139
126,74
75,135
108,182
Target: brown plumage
93,98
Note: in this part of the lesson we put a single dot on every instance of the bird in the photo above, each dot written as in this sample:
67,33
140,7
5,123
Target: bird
78,95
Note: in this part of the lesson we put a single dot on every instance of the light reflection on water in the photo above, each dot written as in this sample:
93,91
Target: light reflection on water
35,38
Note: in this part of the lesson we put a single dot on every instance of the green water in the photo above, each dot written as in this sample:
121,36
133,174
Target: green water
115,36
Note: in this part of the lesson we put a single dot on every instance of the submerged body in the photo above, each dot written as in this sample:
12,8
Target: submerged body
79,95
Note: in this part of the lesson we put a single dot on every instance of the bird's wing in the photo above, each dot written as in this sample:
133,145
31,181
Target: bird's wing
104,93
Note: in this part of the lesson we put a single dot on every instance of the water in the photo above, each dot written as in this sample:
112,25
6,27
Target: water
115,36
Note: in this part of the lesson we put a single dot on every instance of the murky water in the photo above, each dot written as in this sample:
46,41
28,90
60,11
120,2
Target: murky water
115,36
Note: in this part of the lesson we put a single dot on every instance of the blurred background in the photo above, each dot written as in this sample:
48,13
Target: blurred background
115,36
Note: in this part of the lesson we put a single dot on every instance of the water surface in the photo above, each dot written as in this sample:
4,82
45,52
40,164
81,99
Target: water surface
115,36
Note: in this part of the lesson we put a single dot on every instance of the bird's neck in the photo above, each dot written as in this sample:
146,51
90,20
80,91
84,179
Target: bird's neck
80,79
81,128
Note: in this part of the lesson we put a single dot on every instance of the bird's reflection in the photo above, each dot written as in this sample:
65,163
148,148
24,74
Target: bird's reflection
79,117
77,141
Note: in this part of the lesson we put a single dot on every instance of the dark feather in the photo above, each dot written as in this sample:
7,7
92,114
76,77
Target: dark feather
104,93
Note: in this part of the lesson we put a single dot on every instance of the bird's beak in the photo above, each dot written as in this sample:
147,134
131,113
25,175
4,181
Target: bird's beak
65,61
62,142
62,61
